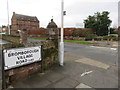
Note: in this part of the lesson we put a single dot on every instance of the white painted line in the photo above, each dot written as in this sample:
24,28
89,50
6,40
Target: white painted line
104,47
92,62
85,73
81,85
98,47
92,46
113,48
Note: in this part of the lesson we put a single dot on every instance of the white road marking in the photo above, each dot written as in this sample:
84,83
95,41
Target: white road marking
92,62
113,48
81,85
85,73
104,47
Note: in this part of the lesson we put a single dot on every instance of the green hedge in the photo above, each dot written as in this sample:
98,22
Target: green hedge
110,37
91,36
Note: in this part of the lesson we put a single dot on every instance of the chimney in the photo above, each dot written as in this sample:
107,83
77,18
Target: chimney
13,13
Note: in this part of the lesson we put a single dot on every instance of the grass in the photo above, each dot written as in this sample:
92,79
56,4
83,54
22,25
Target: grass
37,38
81,42
71,41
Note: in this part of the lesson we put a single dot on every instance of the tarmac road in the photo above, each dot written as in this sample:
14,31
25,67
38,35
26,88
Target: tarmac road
90,59
103,54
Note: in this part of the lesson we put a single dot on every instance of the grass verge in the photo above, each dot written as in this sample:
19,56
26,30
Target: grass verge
81,42
37,38
71,41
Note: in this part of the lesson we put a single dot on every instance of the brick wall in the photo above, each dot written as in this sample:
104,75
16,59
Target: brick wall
37,32
13,75
67,31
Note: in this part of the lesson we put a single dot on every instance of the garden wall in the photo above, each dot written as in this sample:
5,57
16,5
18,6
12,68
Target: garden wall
67,31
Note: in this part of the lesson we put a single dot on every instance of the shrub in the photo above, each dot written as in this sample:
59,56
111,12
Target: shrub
91,36
110,37
99,38
82,32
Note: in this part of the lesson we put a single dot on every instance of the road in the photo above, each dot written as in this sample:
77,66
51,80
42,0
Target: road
92,62
104,54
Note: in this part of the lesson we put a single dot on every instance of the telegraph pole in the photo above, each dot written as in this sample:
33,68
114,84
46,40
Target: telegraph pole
8,17
62,35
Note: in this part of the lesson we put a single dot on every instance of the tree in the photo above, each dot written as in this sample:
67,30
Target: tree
99,22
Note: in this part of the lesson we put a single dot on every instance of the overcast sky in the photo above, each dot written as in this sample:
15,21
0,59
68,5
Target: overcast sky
76,10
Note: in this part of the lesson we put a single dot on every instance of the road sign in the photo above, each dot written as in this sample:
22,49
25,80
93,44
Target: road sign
21,56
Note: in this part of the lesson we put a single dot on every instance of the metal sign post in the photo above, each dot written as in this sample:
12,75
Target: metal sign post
62,33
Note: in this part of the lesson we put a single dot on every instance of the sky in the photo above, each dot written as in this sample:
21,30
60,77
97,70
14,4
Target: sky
76,10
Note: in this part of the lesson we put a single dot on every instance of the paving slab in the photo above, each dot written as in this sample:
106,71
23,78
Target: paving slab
32,82
61,85
72,83
53,76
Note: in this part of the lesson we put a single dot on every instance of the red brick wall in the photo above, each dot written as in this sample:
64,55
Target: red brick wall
70,31
67,31
37,32
42,31
21,72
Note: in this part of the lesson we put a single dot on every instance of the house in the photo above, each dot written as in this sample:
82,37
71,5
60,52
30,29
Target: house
20,22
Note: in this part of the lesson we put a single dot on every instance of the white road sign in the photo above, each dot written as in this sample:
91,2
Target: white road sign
21,56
